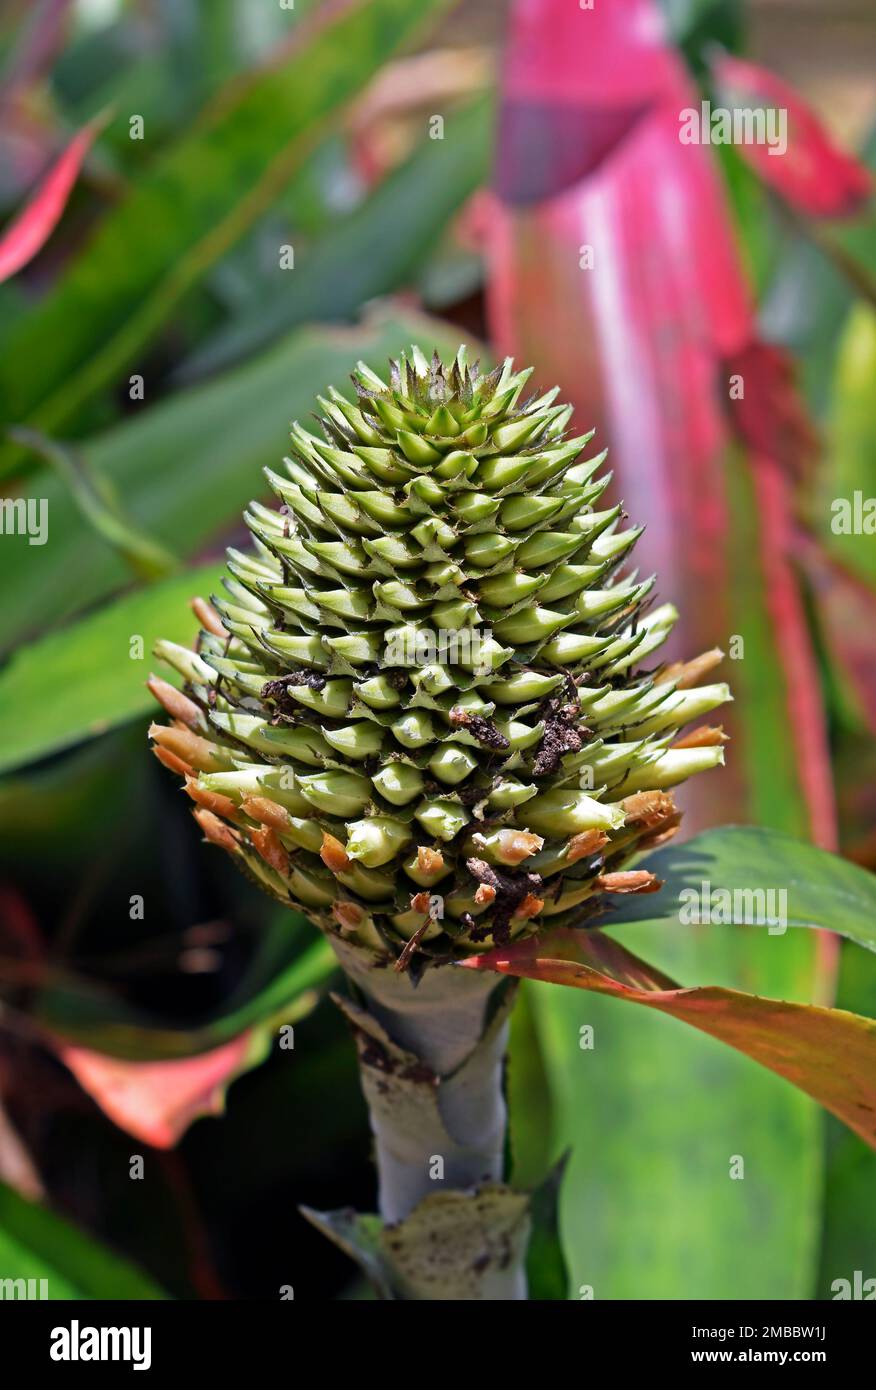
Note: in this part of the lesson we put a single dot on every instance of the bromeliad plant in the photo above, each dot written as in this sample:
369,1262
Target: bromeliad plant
428,711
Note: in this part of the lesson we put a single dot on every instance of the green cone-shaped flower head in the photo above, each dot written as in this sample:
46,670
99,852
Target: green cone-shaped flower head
428,709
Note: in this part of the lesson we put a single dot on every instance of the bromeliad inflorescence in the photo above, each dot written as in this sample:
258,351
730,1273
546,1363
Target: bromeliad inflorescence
427,709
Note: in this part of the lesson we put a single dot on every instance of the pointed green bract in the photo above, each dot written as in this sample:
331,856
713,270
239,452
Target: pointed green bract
428,708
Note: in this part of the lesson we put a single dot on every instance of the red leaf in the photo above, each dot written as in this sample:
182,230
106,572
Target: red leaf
770,417
33,226
157,1101
828,1053
812,174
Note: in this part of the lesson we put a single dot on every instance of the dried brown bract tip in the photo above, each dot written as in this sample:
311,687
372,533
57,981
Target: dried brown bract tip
688,673
213,801
347,915
705,736
662,835
216,831
333,854
267,812
171,761
583,845
208,617
412,944
178,705
629,881
267,843
429,861
198,752
530,907
648,809
517,845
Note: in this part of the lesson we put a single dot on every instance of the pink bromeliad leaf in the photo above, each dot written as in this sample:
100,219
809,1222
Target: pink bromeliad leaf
828,1053
613,268
31,229
157,1101
812,174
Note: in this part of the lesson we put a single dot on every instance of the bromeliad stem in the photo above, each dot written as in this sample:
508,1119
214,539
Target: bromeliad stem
431,1058
432,1073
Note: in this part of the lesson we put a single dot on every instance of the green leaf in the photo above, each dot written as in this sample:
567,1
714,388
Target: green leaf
359,1237
779,765
529,1101
547,1275
373,250
653,1114
36,1244
190,207
848,466
100,507
186,467
81,681
821,890
693,24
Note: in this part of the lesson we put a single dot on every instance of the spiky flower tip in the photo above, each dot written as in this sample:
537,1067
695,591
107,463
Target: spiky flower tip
422,711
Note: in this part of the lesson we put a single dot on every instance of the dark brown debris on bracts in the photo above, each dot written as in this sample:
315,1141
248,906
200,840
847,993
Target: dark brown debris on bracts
411,946
278,691
511,888
562,733
274,689
484,730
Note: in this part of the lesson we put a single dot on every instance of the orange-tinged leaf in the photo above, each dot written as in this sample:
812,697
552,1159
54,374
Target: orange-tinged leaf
157,1101
828,1053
